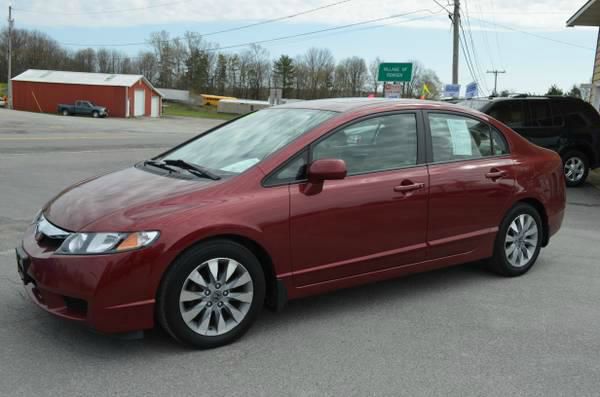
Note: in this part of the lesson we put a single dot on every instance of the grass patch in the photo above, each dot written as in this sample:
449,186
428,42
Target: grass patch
3,89
205,112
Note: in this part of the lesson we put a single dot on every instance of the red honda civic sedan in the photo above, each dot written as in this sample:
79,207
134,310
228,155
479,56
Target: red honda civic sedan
287,202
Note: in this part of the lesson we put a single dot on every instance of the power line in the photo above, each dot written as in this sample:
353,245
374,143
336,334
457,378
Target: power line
326,30
442,6
367,28
277,19
497,35
114,11
475,59
434,13
488,47
468,61
237,28
539,36
308,33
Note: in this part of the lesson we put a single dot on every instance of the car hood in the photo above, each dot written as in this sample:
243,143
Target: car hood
121,200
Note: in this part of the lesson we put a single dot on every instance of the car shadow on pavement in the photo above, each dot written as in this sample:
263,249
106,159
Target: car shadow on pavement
343,303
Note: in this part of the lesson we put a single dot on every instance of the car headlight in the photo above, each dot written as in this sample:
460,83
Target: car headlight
105,243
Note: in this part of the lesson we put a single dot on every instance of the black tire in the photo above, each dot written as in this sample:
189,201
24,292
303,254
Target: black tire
95,114
168,305
576,156
500,262
65,112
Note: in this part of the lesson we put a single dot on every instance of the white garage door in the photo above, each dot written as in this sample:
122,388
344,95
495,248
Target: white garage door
139,103
154,111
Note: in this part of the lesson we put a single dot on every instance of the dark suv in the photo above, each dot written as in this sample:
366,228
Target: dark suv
568,126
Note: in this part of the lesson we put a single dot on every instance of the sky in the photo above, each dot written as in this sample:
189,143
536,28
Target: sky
528,39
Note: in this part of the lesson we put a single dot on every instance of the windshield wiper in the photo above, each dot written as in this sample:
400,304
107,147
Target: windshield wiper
193,168
159,164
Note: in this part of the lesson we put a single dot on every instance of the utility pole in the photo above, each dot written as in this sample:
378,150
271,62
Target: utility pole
496,73
456,46
10,23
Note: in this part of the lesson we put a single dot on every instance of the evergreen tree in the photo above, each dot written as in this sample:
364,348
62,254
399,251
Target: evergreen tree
284,72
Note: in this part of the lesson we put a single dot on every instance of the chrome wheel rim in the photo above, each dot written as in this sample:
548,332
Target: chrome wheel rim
574,169
216,296
521,240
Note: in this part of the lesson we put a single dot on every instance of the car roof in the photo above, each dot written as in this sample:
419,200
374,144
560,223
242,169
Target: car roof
523,97
343,105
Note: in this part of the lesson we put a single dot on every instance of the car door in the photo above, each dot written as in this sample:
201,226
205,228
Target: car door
86,108
471,183
373,219
79,107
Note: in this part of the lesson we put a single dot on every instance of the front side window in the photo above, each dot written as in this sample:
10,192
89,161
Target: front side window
239,145
455,138
292,171
377,144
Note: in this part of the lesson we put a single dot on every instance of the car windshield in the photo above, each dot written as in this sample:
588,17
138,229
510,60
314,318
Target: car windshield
239,145
476,104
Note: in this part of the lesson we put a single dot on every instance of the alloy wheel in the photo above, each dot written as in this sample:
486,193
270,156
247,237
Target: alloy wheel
521,240
574,169
216,296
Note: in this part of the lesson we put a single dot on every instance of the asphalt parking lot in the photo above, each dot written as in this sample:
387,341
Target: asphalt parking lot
459,331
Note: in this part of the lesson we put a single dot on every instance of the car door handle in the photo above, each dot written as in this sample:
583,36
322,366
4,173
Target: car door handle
408,188
495,174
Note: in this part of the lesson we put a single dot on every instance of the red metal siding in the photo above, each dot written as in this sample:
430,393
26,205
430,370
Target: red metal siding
149,92
45,97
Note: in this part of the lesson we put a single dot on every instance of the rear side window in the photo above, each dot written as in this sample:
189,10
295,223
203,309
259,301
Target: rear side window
575,114
456,137
511,113
540,114
499,145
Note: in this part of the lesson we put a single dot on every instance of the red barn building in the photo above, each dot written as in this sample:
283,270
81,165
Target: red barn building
124,95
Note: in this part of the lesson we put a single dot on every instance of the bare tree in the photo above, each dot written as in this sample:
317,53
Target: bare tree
320,66
163,50
233,74
422,76
147,65
85,60
257,68
301,80
103,58
357,74
374,74
195,64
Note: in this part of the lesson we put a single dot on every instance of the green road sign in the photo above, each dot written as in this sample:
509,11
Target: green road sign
401,72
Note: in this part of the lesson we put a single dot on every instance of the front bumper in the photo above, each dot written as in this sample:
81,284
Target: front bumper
109,293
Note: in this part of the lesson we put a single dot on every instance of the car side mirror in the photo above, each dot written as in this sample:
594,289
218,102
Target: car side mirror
324,170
